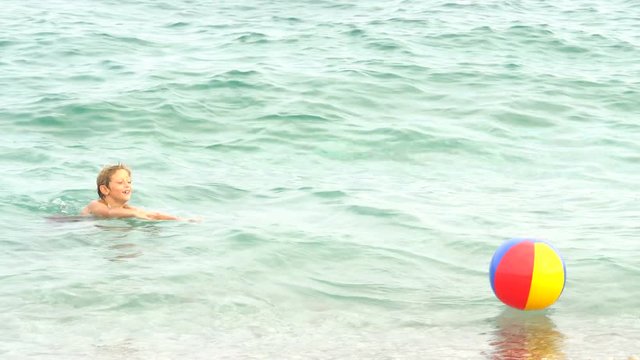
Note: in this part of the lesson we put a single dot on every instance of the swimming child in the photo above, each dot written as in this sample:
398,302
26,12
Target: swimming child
114,189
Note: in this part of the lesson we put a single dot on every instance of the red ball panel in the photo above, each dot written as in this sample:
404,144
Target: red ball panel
514,273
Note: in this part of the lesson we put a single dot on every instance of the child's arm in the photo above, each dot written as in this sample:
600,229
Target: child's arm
99,209
160,216
151,215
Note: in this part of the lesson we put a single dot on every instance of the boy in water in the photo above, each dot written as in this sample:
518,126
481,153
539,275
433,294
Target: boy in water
114,189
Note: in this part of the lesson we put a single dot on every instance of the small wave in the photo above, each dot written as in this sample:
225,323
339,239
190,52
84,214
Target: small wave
335,194
523,119
112,65
253,38
385,44
245,80
141,300
48,121
372,73
132,40
357,298
231,147
85,78
459,5
379,212
543,38
288,19
178,24
52,99
45,34
223,83
372,287
240,239
529,31
544,106
29,203
293,117
240,73
402,20
355,32
215,191
341,6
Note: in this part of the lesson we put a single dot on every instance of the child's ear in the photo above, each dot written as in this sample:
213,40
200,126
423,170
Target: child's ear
104,190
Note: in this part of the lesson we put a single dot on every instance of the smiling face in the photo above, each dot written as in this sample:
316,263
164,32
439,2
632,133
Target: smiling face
114,185
119,188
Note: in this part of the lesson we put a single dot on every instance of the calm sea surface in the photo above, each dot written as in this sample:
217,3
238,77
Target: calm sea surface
354,165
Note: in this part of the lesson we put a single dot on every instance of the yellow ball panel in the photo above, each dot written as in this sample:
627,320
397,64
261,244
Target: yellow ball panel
548,278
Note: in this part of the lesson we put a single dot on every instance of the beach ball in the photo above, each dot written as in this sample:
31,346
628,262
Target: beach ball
527,274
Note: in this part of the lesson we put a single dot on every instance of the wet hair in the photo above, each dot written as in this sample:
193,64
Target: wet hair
104,177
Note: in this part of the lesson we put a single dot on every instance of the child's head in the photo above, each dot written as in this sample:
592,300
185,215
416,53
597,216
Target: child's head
105,177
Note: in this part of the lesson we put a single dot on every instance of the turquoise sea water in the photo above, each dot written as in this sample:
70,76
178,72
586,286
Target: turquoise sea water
355,165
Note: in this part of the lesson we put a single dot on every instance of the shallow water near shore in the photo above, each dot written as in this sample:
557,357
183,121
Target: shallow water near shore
353,165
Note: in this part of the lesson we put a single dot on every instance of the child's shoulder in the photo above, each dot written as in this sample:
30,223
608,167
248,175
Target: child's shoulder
92,207
94,203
